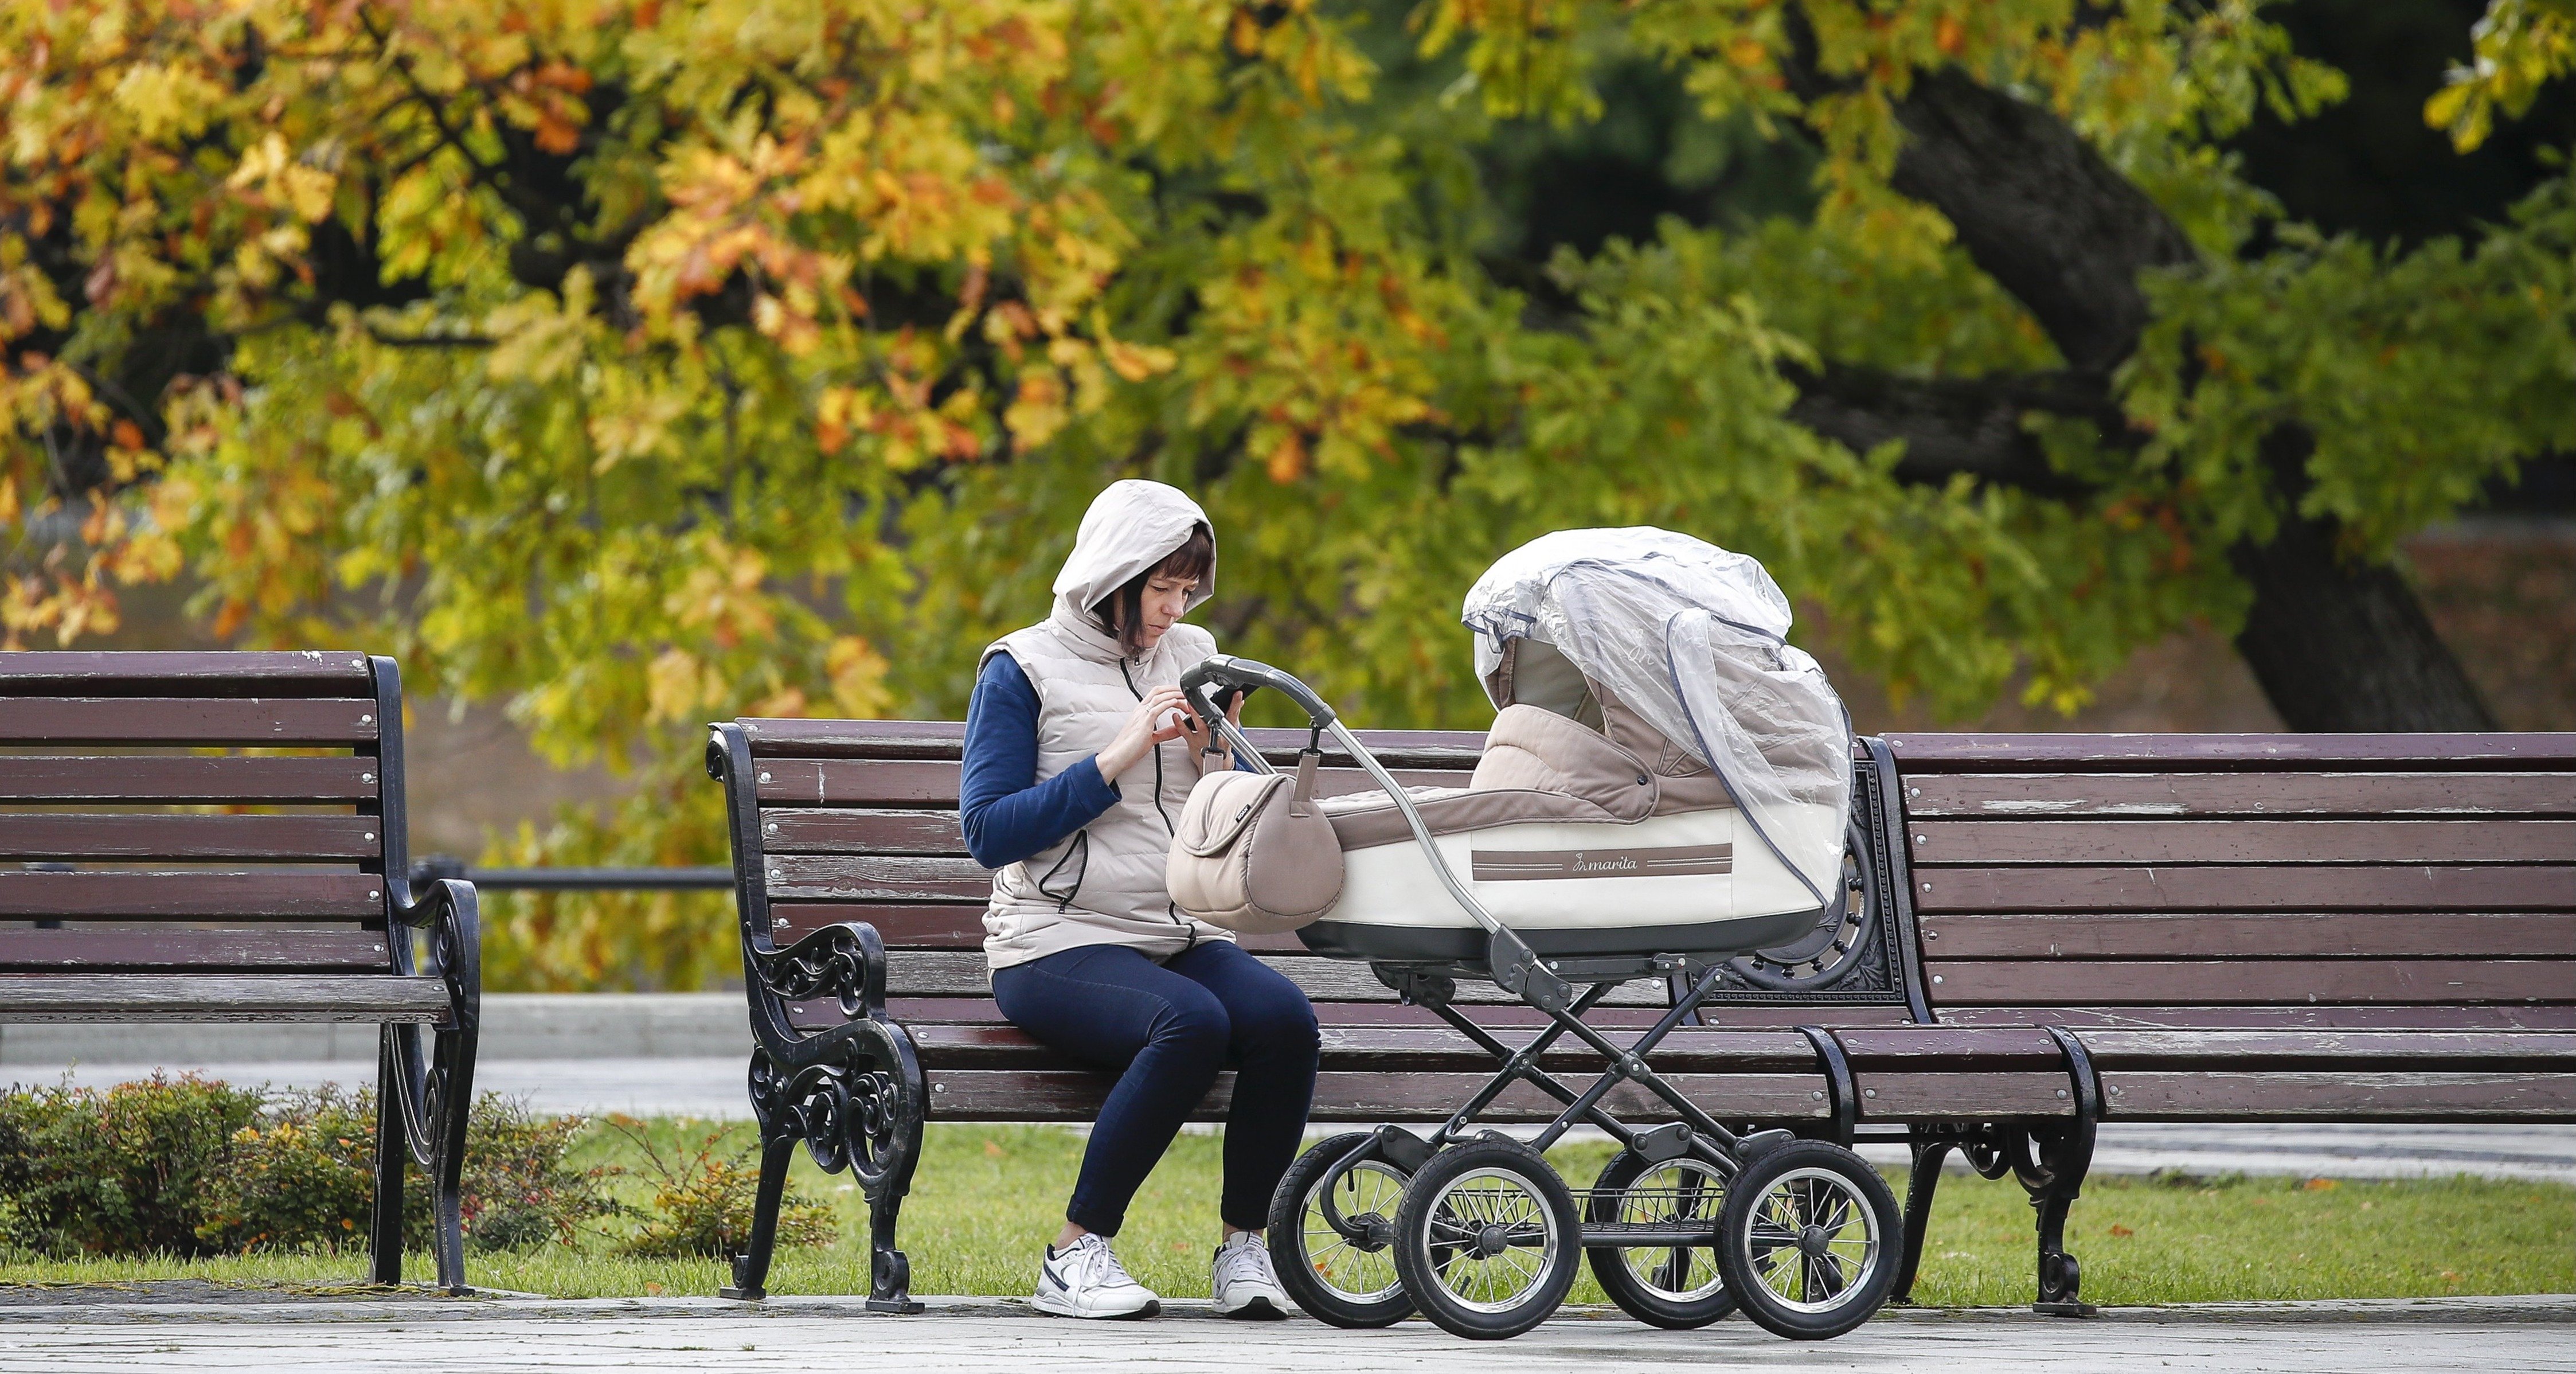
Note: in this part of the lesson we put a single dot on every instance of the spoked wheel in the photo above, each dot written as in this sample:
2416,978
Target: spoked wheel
1672,1286
1332,1236
1487,1239
1808,1239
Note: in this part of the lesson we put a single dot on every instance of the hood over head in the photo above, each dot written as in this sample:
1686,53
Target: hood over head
1132,526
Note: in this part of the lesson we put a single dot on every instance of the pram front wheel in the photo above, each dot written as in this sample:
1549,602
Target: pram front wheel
1488,1239
1677,1287
1332,1235
1807,1240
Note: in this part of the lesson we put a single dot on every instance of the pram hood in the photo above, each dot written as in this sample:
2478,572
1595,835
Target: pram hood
1693,639
1132,525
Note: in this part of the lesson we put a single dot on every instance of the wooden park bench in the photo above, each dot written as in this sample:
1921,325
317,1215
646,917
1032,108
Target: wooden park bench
861,917
2245,928
219,837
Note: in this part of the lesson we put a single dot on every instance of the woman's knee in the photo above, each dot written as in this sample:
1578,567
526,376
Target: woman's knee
1276,1020
1196,1027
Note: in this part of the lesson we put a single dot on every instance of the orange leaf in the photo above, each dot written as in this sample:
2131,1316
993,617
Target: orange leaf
556,136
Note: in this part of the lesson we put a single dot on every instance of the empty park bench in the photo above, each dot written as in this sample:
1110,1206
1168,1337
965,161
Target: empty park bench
861,917
2245,928
218,837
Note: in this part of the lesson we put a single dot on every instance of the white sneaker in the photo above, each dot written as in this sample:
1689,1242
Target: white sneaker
1242,1281
1085,1280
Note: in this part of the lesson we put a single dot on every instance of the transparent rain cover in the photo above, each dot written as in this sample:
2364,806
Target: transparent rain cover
1694,639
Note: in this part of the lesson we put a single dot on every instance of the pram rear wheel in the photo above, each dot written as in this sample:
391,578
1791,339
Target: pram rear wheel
1807,1240
1488,1239
1675,1287
1332,1235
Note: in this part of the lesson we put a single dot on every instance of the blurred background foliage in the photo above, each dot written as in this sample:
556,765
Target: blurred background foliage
635,363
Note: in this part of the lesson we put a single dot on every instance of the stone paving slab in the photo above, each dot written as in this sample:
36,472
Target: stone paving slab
794,1335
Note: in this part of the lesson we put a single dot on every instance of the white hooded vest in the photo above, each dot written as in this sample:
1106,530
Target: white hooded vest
1103,885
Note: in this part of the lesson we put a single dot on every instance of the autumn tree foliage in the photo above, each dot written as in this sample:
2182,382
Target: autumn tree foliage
640,362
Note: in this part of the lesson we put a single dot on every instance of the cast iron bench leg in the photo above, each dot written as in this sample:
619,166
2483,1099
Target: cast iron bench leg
751,1267
2064,1156
455,1058
1921,1182
385,1232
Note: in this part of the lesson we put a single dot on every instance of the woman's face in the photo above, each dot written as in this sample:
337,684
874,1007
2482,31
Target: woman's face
1166,596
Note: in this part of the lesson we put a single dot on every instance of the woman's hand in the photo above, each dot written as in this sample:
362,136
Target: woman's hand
1158,717
1214,755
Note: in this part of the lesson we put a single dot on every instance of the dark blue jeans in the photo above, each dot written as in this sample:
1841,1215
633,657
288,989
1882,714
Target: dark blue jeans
1171,1028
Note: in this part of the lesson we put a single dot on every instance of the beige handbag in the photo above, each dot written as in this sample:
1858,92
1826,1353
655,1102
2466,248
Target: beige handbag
1254,853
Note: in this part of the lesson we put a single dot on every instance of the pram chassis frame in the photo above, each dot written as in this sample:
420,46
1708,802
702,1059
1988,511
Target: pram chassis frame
1512,966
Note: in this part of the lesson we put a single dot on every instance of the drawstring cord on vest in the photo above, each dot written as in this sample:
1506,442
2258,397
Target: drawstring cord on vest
1081,845
1168,908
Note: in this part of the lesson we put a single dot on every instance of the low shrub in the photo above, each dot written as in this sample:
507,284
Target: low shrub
702,1200
190,1167
124,1171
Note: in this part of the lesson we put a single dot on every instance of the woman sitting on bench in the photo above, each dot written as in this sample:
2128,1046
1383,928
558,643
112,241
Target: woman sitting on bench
1079,755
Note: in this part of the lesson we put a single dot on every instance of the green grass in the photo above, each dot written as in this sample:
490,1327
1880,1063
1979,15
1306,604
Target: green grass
987,1196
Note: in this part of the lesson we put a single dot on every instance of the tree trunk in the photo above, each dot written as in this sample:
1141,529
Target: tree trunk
2340,645
2336,645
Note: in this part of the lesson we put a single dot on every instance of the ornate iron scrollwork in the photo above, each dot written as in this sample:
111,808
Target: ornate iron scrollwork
834,963
1856,950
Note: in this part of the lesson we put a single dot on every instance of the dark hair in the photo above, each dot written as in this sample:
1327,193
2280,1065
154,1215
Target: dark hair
1122,612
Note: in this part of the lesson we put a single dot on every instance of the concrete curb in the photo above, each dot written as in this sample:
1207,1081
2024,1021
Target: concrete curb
516,1025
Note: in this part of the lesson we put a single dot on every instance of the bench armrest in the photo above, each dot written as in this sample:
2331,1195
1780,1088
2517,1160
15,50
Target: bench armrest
845,963
452,914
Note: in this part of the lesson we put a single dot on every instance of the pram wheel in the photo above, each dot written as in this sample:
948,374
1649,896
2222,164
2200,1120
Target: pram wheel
1675,1287
1807,1240
1487,1239
1332,1236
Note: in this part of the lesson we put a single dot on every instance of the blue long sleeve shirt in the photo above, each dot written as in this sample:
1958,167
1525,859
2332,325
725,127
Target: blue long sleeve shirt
1007,813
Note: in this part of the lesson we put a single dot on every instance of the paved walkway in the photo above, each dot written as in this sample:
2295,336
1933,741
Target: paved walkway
2526,1335
712,1087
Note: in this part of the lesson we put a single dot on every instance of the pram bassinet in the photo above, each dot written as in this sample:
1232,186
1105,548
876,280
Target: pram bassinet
1665,774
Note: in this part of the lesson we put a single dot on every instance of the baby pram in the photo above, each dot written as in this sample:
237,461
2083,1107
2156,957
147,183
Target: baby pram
1666,785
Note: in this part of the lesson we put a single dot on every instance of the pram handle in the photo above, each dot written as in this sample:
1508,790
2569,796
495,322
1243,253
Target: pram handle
1242,675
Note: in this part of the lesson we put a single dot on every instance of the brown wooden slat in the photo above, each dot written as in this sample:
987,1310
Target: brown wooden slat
917,783
188,720
1967,753
1916,1046
192,896
1942,843
25,836
888,878
1974,1096
801,830
973,1010
2165,983
2112,1048
2324,1016
81,670
1073,1095
939,739
1409,1049
956,925
299,951
2531,887
2305,934
171,997
944,973
173,778
2338,1095
2037,796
